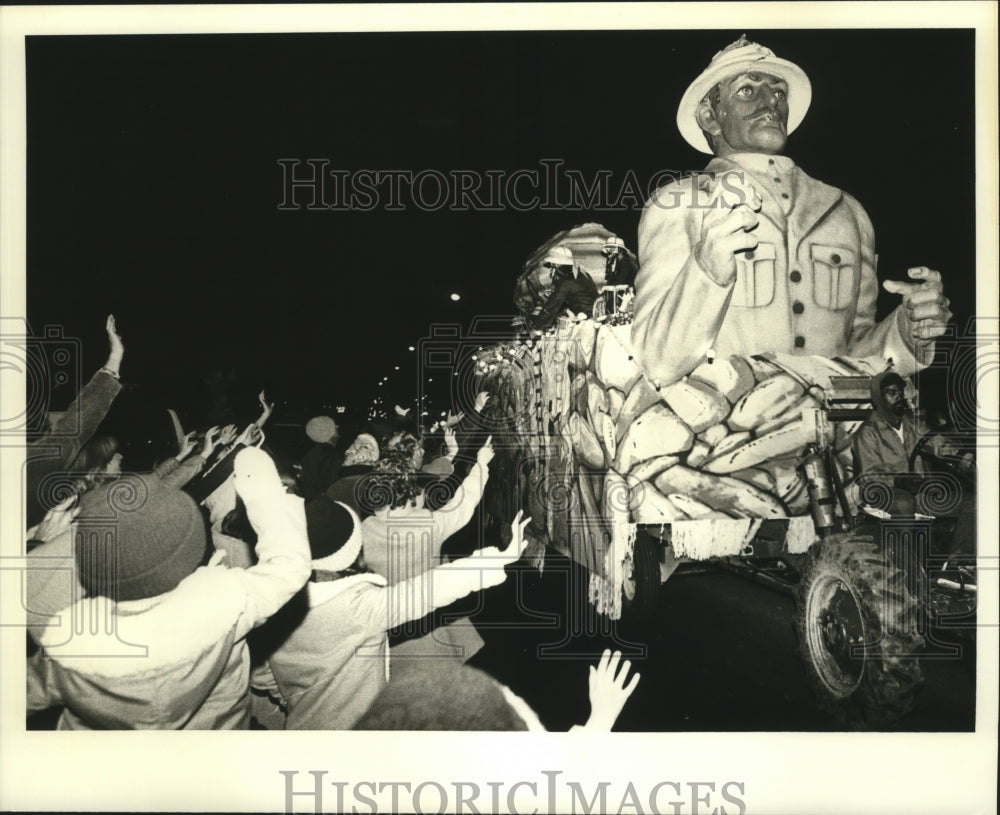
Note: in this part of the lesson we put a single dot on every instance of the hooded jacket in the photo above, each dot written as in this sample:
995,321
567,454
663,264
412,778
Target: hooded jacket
175,661
336,660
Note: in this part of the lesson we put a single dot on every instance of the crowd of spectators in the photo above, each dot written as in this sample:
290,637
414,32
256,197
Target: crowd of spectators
238,588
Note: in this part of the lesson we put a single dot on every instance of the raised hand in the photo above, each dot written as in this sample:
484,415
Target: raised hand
211,441
265,409
727,226
450,442
481,399
517,543
187,446
486,452
608,691
924,303
115,343
252,436
227,435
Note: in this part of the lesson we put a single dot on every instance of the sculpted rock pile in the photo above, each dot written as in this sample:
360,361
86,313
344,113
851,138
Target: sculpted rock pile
608,449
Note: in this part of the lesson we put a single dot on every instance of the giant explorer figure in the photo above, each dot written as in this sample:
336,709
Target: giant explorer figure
754,255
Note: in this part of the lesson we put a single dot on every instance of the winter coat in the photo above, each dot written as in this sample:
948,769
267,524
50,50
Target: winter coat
336,660
50,456
320,468
175,661
403,543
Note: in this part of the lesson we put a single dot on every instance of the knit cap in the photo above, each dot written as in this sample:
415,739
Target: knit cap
334,534
137,537
321,429
440,695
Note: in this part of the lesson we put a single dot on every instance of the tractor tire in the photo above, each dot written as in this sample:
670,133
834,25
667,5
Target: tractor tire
856,624
642,583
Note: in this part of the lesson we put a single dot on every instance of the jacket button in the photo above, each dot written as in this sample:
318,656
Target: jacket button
835,258
784,195
795,276
798,308
800,342
750,254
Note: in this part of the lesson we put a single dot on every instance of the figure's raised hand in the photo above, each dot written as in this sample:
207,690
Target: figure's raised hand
924,303
727,227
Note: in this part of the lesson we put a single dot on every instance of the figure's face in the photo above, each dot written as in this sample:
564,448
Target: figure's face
893,396
751,115
545,275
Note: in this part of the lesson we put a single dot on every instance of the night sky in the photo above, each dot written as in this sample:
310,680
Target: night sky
154,184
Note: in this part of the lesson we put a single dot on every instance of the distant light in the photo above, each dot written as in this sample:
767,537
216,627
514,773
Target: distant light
456,297
430,380
411,348
397,367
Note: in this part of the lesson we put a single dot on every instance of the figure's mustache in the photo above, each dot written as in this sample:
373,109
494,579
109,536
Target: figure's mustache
765,113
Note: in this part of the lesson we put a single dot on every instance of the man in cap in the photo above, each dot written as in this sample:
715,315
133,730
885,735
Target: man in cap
572,288
883,447
754,255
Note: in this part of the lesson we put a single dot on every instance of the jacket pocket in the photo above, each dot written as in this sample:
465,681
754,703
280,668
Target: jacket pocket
834,274
754,286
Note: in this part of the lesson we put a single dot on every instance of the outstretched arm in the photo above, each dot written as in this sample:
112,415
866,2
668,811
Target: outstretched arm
279,519
416,597
57,449
459,510
908,334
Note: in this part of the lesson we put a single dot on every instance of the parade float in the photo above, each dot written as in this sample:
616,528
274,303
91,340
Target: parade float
745,461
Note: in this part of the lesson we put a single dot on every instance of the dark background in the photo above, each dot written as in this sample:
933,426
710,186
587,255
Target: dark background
154,183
